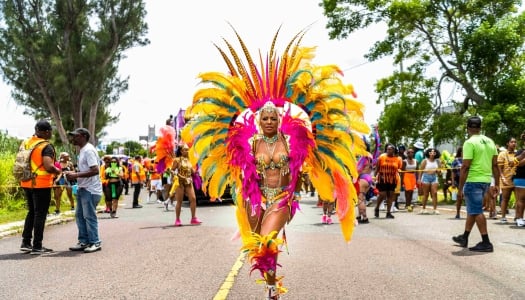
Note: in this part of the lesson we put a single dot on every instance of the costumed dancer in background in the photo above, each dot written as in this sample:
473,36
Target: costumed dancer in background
254,127
185,172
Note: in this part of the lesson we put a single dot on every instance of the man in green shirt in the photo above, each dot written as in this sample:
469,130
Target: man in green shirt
477,171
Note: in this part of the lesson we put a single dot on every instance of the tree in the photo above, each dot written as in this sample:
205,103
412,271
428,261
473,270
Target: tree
62,56
476,44
135,148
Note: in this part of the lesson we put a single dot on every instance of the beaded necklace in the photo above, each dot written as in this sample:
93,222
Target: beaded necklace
270,140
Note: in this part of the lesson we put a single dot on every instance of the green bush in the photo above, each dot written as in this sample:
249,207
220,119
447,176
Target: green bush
11,195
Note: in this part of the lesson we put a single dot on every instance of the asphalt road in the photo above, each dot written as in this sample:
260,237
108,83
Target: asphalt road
144,257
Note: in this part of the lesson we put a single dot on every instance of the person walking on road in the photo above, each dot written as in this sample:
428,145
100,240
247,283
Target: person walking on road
387,177
138,177
89,192
38,189
478,168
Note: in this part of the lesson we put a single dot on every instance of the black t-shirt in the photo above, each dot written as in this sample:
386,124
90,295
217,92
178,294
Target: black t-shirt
49,151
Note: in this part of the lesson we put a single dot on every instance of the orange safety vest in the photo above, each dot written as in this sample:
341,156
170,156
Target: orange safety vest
125,172
142,173
102,173
43,178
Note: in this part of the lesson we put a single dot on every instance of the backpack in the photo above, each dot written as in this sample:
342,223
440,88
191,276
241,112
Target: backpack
22,169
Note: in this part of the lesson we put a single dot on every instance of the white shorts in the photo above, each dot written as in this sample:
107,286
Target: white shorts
156,185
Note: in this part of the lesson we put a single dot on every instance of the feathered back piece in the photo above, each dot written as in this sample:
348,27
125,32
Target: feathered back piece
223,121
165,148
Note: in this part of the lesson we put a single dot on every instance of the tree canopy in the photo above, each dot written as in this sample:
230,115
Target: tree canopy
471,47
61,57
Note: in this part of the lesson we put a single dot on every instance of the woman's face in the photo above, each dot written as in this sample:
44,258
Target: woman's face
390,151
410,153
511,145
432,153
269,122
184,151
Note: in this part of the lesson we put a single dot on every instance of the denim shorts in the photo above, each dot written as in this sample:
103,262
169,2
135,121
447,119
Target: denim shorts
519,182
429,178
474,192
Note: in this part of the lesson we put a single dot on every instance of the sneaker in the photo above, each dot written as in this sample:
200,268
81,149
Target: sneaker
423,212
435,212
78,247
520,222
363,221
137,206
457,216
195,221
503,220
410,208
57,212
482,247
92,248
393,209
113,215
312,194
329,221
389,216
323,219
42,250
376,213
25,247
166,205
159,201
461,240
178,223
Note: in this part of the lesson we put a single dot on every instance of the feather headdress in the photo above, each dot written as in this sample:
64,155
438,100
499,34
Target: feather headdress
165,148
223,120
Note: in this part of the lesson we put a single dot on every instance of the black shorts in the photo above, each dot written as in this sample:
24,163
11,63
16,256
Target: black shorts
164,180
385,187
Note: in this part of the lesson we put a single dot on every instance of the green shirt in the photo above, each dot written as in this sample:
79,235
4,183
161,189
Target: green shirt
480,150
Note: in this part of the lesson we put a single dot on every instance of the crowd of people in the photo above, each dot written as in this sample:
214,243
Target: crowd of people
269,152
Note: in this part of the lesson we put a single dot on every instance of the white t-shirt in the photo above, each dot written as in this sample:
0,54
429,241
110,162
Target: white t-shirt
87,158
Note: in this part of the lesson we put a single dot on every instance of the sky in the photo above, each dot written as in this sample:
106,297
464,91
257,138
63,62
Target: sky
163,74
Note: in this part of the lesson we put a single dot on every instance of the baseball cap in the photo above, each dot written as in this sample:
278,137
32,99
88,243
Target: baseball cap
80,131
474,122
43,125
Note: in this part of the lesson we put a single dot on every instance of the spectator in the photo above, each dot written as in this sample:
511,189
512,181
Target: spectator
456,167
38,190
428,178
409,178
507,168
89,192
478,168
65,165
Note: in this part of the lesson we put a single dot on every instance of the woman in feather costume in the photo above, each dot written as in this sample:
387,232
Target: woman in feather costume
254,127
